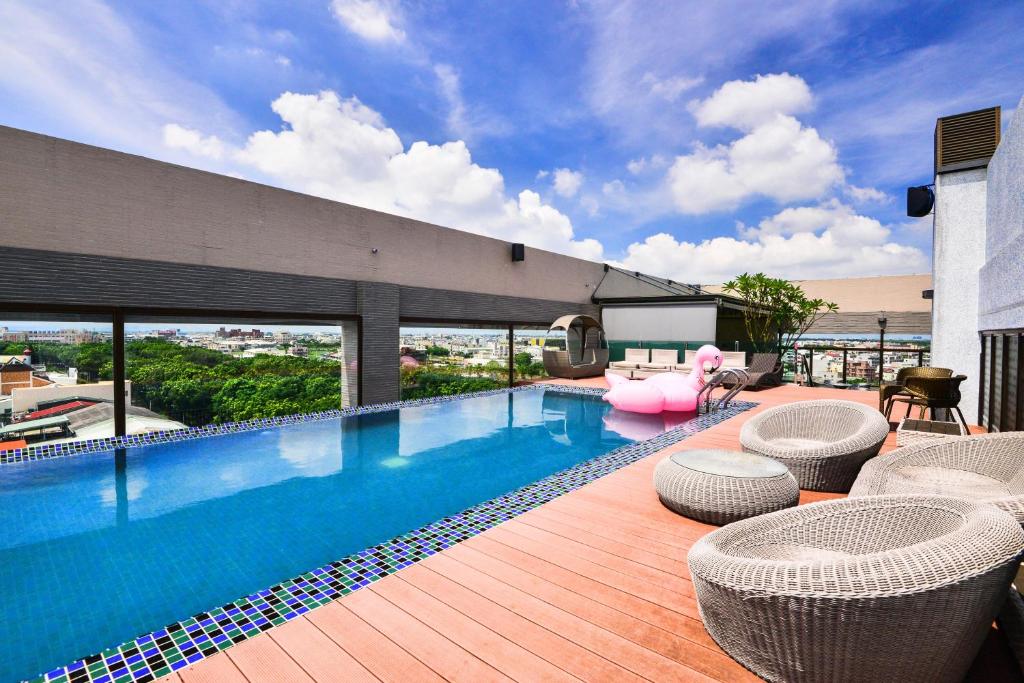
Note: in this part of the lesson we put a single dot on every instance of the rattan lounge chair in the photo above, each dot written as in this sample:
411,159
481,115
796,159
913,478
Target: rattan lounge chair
585,353
988,468
823,443
887,588
765,370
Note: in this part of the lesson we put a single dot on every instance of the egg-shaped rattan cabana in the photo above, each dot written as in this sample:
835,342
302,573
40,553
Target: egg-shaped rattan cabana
585,353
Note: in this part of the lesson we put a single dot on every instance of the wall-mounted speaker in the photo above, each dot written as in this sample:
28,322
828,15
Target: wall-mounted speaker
920,201
518,252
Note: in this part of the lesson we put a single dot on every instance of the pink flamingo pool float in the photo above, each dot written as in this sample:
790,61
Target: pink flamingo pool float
665,391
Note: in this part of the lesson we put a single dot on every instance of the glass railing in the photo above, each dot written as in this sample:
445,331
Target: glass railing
851,366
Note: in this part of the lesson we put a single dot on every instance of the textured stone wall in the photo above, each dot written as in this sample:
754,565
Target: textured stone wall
1001,290
958,252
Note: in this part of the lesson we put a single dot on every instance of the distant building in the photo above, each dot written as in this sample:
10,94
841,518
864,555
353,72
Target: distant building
862,369
25,399
54,336
17,374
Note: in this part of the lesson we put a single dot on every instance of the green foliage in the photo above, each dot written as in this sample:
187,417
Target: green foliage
777,312
198,386
527,367
438,351
423,383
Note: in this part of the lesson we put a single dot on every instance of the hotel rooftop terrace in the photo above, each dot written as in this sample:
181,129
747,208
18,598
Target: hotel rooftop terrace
592,585
513,533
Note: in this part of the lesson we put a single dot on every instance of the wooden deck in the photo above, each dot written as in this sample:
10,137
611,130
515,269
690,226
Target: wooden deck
593,586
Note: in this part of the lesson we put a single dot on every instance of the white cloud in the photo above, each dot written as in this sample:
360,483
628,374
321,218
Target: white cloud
566,182
192,141
669,89
779,159
343,150
372,20
451,90
463,122
845,226
748,104
637,166
826,241
643,164
613,188
58,73
866,195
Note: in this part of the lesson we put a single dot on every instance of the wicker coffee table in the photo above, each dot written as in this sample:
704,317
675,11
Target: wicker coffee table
719,487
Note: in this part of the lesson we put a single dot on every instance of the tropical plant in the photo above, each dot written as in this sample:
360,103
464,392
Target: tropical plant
776,312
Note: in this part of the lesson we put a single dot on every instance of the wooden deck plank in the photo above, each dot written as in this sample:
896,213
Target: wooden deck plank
661,561
629,655
592,585
262,659
379,654
616,529
216,669
611,596
620,559
686,642
553,647
450,661
318,655
673,598
493,648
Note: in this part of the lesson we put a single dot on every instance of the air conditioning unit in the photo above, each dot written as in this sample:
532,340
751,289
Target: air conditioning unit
966,141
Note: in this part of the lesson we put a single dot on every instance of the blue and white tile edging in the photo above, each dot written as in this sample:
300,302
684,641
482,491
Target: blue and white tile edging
182,643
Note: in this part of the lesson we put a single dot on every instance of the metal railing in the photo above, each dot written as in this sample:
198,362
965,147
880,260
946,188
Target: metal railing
917,354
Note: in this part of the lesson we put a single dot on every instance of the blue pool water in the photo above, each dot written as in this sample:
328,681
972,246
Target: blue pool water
94,553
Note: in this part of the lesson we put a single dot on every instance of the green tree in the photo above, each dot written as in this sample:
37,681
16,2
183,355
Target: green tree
438,351
523,362
776,312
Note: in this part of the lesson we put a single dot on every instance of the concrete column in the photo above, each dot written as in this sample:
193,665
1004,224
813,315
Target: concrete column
377,306
958,252
349,363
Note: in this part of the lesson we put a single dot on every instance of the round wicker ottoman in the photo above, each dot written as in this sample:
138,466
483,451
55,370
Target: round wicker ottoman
719,487
883,588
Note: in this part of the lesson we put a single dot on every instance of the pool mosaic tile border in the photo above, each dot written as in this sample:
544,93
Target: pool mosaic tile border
185,642
60,450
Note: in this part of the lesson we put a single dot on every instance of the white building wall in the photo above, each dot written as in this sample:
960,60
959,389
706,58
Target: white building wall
958,253
29,399
660,322
1001,290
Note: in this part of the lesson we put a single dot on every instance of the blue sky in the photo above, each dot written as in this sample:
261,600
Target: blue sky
691,140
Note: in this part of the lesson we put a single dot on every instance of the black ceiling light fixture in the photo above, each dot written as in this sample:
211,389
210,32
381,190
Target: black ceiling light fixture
920,201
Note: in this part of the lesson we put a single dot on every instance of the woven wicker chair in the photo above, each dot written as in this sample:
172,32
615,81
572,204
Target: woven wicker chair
988,468
823,443
888,588
585,353
931,393
887,390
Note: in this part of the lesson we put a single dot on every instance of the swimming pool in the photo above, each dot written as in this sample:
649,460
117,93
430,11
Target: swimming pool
98,548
